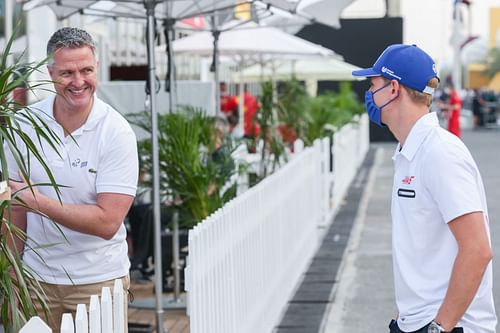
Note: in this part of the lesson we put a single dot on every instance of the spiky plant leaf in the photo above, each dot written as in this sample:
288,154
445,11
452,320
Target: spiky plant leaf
20,293
190,176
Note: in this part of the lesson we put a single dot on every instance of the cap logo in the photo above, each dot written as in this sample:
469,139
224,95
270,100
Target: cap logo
389,72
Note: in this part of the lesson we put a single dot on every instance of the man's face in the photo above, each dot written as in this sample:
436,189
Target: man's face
74,73
382,95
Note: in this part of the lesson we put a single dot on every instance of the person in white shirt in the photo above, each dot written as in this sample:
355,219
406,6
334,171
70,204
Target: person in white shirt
440,228
80,240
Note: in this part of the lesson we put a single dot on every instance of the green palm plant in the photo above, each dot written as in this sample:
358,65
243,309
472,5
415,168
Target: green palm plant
292,103
20,293
273,149
326,113
192,172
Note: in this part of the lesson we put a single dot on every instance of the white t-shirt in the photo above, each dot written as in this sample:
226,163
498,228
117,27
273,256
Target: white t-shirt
101,156
436,180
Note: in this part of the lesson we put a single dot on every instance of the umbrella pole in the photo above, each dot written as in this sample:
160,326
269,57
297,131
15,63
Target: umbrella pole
216,34
171,88
150,8
241,103
175,220
8,18
175,252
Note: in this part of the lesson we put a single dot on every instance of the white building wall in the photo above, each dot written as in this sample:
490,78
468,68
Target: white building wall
40,25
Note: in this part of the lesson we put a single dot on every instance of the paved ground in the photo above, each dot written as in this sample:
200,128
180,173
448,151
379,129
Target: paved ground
312,299
363,299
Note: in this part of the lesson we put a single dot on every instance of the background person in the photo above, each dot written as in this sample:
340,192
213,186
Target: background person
478,104
440,228
80,243
454,109
251,107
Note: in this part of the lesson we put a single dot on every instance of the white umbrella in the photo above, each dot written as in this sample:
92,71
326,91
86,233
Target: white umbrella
248,43
302,69
323,11
165,9
249,40
309,70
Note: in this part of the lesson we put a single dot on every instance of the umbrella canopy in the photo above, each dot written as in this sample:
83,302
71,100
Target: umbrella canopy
249,39
302,69
247,42
323,11
172,9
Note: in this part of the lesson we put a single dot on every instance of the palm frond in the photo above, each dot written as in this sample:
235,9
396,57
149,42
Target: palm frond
20,293
187,170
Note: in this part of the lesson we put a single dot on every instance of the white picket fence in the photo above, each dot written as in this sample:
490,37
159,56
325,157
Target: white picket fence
246,259
350,145
106,315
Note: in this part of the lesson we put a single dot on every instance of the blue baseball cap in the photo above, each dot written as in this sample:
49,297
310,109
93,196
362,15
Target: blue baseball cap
408,64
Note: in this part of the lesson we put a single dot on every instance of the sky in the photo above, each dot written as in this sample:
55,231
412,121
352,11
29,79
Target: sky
428,23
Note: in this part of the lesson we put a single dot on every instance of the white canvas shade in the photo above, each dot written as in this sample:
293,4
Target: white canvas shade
323,11
249,40
302,69
247,43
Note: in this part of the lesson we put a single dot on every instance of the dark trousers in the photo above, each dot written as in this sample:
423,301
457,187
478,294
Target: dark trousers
393,328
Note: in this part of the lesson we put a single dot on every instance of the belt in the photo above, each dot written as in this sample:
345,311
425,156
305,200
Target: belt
394,328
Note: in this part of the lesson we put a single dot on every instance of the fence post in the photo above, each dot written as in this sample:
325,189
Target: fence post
118,307
94,314
298,146
106,310
81,319
35,325
67,323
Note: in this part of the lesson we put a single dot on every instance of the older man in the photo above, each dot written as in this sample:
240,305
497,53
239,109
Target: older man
78,240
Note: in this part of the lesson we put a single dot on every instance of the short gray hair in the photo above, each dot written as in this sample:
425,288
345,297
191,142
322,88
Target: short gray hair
68,37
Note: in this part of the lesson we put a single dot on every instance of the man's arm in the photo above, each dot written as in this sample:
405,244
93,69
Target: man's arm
102,219
18,218
474,255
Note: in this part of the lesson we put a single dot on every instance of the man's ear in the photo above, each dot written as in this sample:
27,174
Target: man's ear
394,86
49,70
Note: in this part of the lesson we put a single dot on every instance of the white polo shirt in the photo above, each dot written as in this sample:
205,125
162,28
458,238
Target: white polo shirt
100,157
436,180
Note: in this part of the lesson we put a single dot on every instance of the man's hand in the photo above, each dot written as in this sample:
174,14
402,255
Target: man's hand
26,195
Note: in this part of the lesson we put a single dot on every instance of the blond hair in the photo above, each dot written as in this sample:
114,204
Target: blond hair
420,97
417,96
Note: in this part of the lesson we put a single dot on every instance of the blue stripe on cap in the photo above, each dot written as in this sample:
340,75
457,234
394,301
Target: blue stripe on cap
365,72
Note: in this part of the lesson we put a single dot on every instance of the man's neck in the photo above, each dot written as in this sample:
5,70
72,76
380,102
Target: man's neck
70,119
407,120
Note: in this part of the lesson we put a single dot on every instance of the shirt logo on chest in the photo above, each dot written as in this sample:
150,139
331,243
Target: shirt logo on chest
408,179
78,163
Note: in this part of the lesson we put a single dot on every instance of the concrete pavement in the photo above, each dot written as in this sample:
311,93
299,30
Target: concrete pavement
363,299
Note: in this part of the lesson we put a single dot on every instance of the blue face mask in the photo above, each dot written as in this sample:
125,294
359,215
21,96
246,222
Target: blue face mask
374,112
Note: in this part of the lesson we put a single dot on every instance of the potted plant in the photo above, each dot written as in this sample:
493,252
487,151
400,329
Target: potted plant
292,104
328,112
19,291
195,162
272,147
